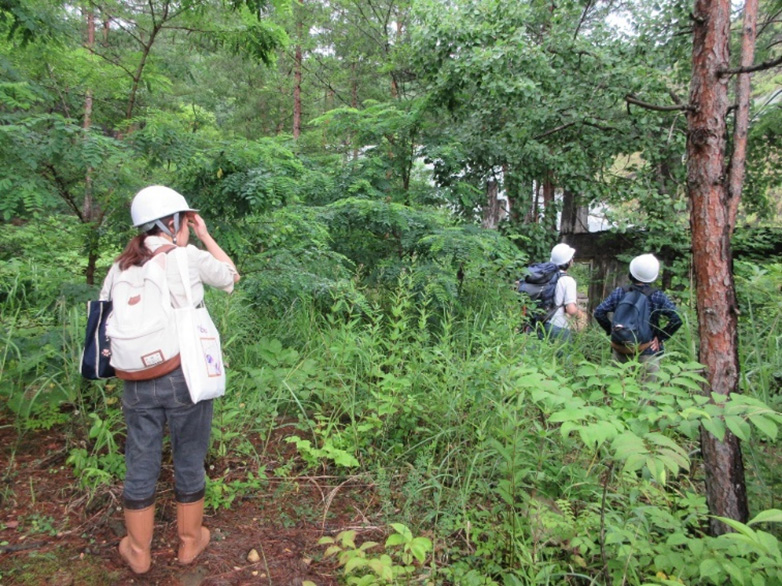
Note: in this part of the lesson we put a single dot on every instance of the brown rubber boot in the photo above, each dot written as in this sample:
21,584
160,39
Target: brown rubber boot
193,535
134,548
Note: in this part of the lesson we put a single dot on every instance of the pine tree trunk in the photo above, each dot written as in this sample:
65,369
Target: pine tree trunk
297,93
297,66
712,258
89,209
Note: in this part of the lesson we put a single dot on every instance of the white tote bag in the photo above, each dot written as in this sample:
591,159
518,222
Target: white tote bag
199,343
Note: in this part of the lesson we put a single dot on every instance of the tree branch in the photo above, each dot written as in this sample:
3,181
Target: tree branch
108,59
630,99
598,126
759,67
323,81
553,130
772,19
582,19
62,189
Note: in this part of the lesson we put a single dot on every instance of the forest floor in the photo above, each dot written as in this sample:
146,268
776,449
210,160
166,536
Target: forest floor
53,533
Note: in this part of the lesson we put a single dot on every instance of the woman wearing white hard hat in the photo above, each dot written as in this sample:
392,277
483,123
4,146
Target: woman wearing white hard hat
565,294
164,217
644,270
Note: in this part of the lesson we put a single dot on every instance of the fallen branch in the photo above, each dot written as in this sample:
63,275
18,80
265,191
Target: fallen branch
21,546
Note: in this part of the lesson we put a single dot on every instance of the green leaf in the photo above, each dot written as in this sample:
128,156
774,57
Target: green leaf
735,572
568,414
737,526
715,426
710,568
767,516
334,549
764,424
595,434
382,567
635,462
395,539
348,539
354,563
419,547
403,530
686,382
656,469
739,427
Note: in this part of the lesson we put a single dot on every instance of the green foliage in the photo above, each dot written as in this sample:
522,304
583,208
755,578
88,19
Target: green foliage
375,319
758,245
242,178
396,566
257,38
764,178
545,465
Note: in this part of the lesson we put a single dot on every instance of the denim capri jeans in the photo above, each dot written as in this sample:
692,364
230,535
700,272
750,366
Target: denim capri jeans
148,405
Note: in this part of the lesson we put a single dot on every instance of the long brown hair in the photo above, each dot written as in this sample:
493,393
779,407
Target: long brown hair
136,252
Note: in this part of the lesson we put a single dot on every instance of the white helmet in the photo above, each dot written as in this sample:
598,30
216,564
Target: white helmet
645,268
155,202
561,254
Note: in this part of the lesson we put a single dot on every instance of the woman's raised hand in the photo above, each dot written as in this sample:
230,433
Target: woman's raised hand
196,222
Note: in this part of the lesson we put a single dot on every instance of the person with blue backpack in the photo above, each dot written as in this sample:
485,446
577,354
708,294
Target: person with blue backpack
551,295
635,327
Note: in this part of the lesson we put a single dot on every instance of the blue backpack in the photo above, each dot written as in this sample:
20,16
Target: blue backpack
631,325
539,286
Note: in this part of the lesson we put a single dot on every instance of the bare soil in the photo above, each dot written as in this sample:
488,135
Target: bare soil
55,533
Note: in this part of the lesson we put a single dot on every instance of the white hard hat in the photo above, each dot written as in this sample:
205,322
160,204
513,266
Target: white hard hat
561,254
645,268
155,202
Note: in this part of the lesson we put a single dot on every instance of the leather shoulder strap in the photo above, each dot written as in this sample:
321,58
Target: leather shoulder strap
165,249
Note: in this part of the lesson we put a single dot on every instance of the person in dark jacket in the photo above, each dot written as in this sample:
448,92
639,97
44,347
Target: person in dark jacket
644,270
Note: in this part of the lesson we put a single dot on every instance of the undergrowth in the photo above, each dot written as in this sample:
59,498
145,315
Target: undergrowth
521,461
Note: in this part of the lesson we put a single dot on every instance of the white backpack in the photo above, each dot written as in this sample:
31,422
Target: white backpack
141,326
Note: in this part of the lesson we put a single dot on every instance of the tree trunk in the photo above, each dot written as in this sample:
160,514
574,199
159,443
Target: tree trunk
493,209
738,159
575,217
548,197
512,189
89,209
297,89
712,262
354,101
87,122
394,84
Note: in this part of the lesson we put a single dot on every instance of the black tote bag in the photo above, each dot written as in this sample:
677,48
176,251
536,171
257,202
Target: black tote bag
97,348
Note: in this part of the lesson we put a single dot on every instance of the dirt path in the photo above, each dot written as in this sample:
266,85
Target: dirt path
52,534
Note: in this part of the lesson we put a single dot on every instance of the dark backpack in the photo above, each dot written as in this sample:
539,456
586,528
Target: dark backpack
539,286
631,324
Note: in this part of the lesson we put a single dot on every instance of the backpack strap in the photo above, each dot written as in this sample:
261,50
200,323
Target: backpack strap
622,349
647,290
551,312
165,249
